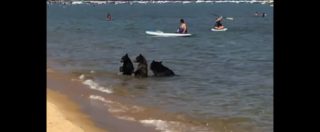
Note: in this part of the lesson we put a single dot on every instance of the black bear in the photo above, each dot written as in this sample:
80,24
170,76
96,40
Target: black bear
127,67
159,70
142,70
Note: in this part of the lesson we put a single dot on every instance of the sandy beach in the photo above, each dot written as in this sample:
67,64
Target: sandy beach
64,115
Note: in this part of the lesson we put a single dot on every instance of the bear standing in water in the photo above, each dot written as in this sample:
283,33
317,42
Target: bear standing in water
142,70
159,70
127,67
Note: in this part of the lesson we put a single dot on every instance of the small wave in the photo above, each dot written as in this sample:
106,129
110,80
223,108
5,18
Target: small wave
95,86
81,77
92,84
186,2
109,103
161,125
173,126
126,118
116,107
95,97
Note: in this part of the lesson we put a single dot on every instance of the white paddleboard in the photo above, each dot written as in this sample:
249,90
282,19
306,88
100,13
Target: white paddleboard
224,29
162,34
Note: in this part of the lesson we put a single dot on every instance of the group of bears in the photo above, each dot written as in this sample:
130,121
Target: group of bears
142,70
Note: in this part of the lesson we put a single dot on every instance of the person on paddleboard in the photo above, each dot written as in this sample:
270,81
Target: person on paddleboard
218,24
263,14
109,18
183,28
256,14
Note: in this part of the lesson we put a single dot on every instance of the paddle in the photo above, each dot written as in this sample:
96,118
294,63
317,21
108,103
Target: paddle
228,18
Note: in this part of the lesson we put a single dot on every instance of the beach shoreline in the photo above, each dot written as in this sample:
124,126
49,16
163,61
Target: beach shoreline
67,112
66,116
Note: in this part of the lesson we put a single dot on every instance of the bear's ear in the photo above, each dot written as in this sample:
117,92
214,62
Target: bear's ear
126,54
161,62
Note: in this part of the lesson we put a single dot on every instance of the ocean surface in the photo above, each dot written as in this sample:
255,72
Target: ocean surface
224,80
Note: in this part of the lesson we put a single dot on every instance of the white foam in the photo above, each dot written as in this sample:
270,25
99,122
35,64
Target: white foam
136,108
96,86
158,124
199,1
115,110
77,2
98,2
172,126
92,72
141,2
81,77
116,107
161,125
113,107
126,118
186,2
96,97
120,2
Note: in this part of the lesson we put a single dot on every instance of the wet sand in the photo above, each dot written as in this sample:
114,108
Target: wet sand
64,115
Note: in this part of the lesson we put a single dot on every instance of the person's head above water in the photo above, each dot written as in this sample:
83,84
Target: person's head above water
181,21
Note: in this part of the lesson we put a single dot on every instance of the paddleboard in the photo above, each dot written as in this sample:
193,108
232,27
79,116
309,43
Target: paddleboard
224,29
163,34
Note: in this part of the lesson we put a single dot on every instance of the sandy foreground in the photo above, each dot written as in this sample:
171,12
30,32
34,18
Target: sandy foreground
64,116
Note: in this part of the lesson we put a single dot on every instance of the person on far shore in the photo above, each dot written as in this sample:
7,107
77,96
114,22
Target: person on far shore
183,28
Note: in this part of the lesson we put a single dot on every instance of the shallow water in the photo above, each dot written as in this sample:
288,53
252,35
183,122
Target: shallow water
225,79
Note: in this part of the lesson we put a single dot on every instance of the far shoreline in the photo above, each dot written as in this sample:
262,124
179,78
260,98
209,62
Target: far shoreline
76,2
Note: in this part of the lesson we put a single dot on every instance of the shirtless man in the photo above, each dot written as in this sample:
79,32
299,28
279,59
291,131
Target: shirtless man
183,27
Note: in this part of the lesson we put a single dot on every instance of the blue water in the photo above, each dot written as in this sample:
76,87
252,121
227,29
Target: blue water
224,79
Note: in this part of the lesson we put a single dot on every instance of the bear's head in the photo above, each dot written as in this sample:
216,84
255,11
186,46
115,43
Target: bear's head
140,59
155,65
125,58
